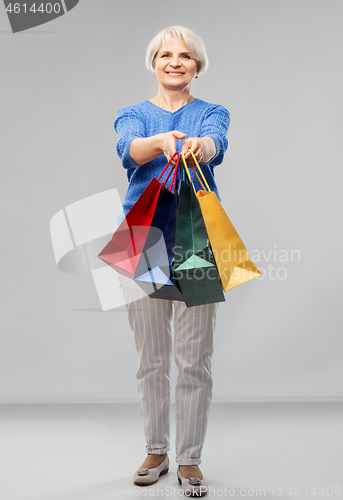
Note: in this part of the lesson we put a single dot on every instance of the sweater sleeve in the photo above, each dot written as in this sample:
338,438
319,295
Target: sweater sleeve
216,125
128,125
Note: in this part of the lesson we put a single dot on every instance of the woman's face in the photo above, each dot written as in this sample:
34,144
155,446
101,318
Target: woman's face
175,68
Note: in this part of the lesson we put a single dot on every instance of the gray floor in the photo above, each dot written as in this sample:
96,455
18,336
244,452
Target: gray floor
89,452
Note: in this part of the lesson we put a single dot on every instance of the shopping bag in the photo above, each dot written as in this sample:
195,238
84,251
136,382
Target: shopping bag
231,255
124,250
194,265
154,273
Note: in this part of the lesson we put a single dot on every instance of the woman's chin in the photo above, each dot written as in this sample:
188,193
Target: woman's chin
175,84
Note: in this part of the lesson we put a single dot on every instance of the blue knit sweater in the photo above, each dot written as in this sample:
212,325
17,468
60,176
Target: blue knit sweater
196,119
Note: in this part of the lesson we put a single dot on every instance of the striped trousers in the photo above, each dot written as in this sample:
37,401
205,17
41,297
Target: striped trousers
151,321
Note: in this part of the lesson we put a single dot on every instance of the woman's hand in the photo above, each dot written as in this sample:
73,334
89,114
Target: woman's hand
195,144
145,149
203,149
167,144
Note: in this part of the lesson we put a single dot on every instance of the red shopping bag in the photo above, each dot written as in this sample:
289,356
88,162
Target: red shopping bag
124,250
154,273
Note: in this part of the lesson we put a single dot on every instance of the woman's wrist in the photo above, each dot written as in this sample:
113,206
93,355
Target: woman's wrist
159,140
145,149
208,148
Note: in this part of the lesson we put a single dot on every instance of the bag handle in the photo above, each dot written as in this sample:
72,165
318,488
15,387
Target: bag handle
201,172
174,178
207,188
184,169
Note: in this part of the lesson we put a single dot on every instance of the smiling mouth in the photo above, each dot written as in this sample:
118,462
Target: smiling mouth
175,73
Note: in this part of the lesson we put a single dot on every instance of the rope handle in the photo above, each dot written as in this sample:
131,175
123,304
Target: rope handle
202,175
174,178
207,188
184,168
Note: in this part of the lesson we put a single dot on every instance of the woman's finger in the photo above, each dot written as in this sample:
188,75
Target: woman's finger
168,155
187,153
196,148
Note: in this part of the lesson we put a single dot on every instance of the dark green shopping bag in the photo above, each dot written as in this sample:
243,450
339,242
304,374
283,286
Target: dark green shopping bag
194,266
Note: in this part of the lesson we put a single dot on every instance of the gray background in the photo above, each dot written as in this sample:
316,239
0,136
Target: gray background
277,67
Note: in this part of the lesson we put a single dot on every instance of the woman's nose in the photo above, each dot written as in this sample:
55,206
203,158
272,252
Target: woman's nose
175,62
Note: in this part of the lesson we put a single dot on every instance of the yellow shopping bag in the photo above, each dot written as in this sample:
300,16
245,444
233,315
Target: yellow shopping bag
230,253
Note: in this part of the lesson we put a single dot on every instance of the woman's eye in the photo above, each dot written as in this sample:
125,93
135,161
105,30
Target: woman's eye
185,56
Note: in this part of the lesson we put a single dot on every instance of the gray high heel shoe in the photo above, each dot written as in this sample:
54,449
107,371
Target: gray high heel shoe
145,476
193,486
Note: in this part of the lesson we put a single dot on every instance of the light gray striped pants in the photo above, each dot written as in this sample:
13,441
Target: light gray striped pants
151,322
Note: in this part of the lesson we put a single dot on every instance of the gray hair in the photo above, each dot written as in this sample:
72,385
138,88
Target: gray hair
193,41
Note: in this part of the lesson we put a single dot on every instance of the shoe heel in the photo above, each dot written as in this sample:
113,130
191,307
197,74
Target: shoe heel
164,471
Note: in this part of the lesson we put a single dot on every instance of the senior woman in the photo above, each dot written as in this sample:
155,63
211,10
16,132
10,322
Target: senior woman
149,134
